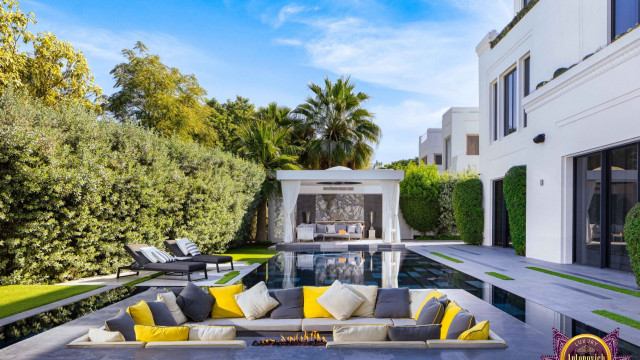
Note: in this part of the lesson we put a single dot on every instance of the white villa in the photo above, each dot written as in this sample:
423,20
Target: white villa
430,148
578,134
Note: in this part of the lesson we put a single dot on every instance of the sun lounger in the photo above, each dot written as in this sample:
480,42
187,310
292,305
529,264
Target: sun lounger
176,267
209,259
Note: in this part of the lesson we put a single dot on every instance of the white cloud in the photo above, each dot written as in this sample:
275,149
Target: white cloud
285,14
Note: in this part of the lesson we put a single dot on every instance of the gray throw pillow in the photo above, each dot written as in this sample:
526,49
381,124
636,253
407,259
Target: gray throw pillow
195,302
291,304
341,227
175,290
321,229
444,300
123,323
392,303
414,333
161,314
358,228
460,323
431,313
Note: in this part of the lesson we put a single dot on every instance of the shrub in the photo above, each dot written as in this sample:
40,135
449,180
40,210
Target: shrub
467,207
515,196
632,238
75,188
446,227
419,197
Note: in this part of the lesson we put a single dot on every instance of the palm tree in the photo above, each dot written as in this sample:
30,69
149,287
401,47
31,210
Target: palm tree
267,142
343,130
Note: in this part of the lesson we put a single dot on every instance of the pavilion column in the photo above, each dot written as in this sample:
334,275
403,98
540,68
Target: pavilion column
390,210
290,191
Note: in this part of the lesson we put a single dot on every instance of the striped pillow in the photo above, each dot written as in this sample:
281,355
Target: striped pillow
193,249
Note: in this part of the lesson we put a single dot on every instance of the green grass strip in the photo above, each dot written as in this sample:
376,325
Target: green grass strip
228,276
15,299
252,254
446,257
588,282
498,275
138,281
619,318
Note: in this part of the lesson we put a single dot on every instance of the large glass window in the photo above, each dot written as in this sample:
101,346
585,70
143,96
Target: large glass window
527,82
510,100
625,15
473,144
494,110
623,195
588,173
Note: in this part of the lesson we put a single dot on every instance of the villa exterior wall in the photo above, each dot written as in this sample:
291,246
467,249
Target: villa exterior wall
592,106
457,123
430,145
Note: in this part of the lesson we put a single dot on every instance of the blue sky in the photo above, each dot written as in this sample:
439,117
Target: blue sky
415,58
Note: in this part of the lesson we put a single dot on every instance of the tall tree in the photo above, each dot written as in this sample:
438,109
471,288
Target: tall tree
227,119
160,97
54,71
344,131
268,143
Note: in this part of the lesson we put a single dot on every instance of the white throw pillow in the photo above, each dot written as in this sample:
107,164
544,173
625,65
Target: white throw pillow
182,244
169,299
360,333
351,229
256,302
416,299
101,336
211,333
193,249
339,301
148,253
369,294
331,229
163,256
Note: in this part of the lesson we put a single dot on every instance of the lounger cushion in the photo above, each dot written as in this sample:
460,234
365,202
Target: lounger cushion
161,333
123,323
291,304
96,335
265,324
392,303
312,309
478,332
169,299
339,301
368,294
373,332
256,302
414,333
177,266
161,314
211,333
225,305
430,313
195,302
141,313
213,259
327,324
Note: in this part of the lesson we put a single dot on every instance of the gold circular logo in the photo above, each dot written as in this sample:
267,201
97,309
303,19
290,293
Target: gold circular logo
585,347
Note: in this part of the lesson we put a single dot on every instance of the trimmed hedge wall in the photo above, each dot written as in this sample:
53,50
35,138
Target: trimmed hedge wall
515,196
75,188
419,197
632,238
467,207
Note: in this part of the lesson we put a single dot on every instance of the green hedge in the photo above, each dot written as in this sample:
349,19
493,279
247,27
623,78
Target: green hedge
632,238
446,227
75,188
419,197
467,207
515,196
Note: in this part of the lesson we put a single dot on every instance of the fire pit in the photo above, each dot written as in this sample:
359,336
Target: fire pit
299,340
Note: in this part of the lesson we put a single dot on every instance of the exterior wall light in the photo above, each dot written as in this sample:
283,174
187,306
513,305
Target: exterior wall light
539,139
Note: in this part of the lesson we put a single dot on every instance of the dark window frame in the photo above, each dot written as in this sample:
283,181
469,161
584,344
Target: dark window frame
494,86
510,96
437,157
527,83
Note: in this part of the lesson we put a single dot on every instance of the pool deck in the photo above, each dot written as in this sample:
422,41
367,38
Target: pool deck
525,342
568,297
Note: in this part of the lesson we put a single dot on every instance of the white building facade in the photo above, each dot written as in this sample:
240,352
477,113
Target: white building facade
460,139
582,169
430,148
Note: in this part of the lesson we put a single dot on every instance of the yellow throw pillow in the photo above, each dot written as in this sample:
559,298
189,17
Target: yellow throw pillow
141,313
161,333
226,306
449,313
478,332
312,309
435,294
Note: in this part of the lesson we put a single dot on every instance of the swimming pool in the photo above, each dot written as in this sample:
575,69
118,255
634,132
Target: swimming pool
408,269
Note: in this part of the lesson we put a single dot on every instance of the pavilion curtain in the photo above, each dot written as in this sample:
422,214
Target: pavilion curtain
390,210
290,191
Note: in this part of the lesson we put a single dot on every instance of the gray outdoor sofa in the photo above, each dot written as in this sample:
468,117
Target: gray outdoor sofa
311,232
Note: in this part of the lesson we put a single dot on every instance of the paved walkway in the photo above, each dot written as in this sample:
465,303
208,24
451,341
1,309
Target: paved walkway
567,297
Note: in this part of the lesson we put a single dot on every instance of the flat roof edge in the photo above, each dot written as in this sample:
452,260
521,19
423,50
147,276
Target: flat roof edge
340,175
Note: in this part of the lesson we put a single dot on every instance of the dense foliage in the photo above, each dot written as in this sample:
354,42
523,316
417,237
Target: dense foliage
515,196
74,189
446,228
632,238
49,69
467,206
398,164
419,197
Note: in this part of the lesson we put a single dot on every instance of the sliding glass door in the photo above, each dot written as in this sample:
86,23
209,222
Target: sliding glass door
606,189
501,235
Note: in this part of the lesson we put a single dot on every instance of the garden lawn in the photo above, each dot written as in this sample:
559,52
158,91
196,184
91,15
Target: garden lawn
15,299
252,254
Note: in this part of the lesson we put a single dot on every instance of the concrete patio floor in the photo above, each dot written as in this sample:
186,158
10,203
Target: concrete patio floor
568,297
524,341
